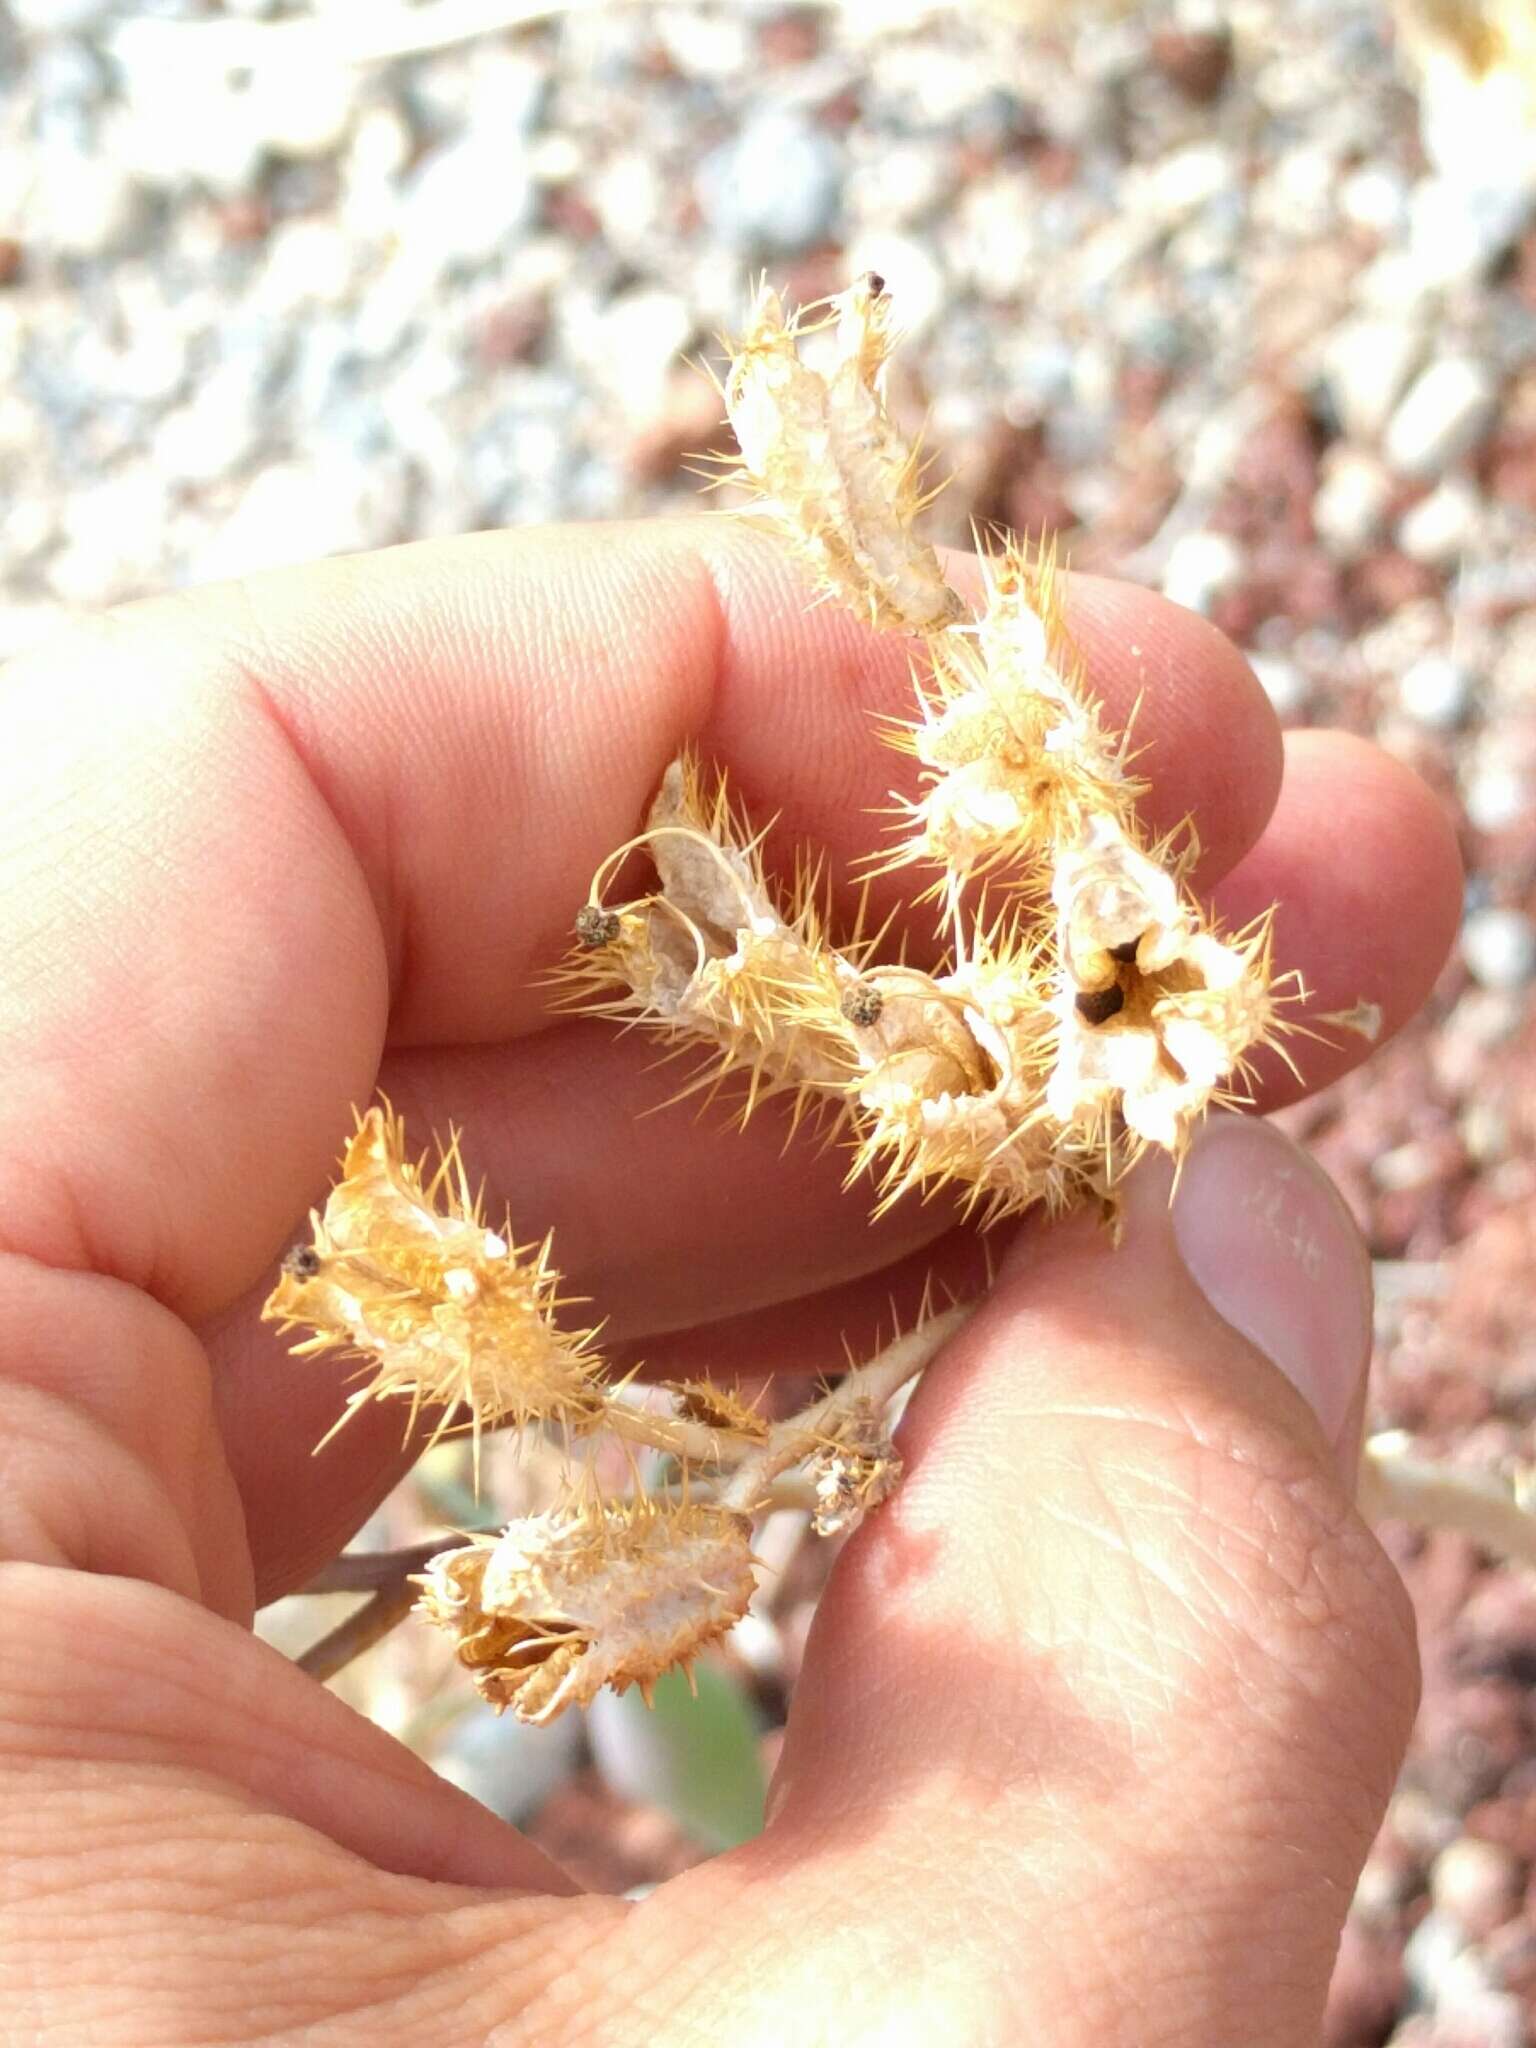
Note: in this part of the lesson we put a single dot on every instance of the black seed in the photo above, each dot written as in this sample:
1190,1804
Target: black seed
862,1004
1125,954
302,1263
596,927
1098,1005
876,285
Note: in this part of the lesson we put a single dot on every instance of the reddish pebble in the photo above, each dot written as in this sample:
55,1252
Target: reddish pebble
1195,62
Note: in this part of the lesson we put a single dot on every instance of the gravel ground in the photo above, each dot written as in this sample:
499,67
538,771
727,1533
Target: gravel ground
1212,295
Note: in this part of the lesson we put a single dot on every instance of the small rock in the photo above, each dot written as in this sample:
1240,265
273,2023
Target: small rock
1429,1952
1441,527
1284,683
1443,416
1436,691
468,199
1499,948
1196,62
1476,1884
775,186
1459,227
1202,566
1350,507
1367,363
87,203
1375,198
639,338
1494,796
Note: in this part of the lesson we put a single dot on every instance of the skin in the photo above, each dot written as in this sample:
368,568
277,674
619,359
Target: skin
268,847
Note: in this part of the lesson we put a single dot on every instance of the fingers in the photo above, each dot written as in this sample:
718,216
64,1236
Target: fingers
256,830
1363,865
1119,1613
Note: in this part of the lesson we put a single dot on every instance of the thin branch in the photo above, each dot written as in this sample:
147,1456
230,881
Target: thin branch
369,1571
1491,1510
360,1631
386,33
626,1415
874,1383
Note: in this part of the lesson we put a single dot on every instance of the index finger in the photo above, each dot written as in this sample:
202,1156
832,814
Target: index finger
255,831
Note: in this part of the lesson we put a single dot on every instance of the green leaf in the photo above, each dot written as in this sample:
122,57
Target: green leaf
697,1759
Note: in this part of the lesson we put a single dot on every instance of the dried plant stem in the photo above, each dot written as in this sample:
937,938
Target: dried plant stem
749,1487
1397,1487
385,1610
387,33
383,35
624,1415
370,1571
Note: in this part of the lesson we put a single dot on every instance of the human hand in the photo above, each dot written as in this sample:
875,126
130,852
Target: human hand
1099,1713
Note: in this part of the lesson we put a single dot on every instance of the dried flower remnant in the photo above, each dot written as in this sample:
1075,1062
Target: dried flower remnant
403,1272
1100,1013
853,1471
710,958
562,1604
829,465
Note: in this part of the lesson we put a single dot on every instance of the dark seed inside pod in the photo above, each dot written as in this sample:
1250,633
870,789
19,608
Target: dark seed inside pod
862,1004
876,285
595,926
1125,954
302,1263
1098,1005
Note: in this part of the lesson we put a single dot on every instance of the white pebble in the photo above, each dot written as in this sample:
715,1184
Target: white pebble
1495,796
1202,566
1477,1884
1499,948
1441,527
1283,682
1443,416
1366,365
1351,501
774,186
1436,691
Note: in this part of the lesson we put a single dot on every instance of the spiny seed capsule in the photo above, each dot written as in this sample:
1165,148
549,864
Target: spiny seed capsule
596,927
862,1004
302,1263
1097,1006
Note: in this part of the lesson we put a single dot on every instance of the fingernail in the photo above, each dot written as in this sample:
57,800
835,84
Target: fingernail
1273,1248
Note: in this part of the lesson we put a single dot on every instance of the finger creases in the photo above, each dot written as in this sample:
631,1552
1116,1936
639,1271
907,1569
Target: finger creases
1118,1638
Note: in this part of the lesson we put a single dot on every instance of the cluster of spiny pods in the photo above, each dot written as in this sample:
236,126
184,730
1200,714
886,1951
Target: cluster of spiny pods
1085,1008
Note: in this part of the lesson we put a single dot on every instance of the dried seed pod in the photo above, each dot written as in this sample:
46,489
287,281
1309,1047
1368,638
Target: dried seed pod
1157,1013
830,467
710,957
1015,759
560,1605
403,1272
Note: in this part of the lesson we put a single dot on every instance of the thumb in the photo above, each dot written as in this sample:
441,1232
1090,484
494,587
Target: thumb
1100,1714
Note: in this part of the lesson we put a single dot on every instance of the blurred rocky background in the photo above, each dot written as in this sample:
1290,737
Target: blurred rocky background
1239,298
